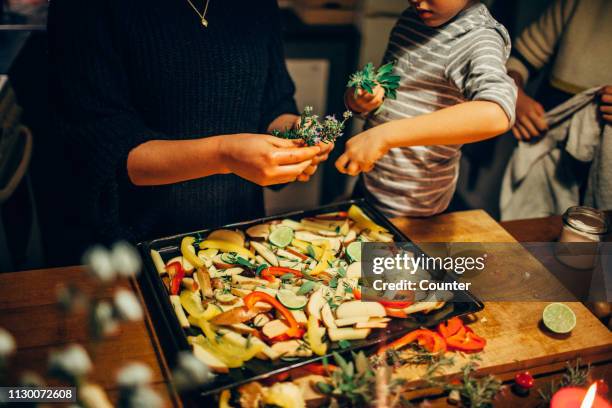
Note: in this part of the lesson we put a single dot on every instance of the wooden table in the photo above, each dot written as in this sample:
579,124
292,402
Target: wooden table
28,310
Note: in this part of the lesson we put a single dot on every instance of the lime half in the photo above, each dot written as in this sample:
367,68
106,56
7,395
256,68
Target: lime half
353,250
290,300
281,236
559,318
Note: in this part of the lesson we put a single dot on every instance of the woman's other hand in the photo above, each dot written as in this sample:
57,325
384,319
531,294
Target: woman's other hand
605,106
326,148
265,159
361,152
530,118
362,101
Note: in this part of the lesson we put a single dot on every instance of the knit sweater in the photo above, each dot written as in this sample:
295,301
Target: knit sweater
573,35
127,72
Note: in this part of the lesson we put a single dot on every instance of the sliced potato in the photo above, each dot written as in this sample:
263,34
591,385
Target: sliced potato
209,359
259,231
239,280
240,292
242,328
227,236
328,316
349,321
265,252
315,303
353,271
300,316
370,325
345,333
160,267
350,236
178,310
260,320
274,328
356,308
292,348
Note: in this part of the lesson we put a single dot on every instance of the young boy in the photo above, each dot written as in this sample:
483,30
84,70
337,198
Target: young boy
451,57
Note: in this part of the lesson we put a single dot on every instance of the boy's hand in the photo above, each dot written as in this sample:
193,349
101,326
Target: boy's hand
364,101
362,151
530,119
605,107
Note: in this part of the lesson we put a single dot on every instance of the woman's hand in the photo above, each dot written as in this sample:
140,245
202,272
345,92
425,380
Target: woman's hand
326,148
361,152
530,119
265,159
363,101
605,107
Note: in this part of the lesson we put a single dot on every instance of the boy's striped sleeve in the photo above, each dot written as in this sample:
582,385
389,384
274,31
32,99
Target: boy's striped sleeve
537,43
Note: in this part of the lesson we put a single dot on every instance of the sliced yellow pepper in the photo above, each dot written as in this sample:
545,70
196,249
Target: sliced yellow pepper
361,219
226,247
224,399
322,265
189,253
192,303
315,335
303,247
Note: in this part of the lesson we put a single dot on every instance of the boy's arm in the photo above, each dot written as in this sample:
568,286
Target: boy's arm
463,123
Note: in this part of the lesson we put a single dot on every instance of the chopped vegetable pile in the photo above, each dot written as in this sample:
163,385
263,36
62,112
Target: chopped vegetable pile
283,289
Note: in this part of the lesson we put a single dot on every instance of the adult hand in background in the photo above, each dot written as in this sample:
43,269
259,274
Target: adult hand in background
363,101
605,106
265,159
530,118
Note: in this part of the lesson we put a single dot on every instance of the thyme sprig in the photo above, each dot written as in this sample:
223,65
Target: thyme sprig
368,78
475,392
312,130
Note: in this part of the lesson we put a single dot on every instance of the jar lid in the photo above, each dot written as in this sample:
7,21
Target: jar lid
586,219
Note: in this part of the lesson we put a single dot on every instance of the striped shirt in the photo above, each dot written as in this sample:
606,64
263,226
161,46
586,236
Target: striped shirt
463,60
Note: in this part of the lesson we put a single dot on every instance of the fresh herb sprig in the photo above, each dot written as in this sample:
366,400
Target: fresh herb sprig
368,78
313,131
475,392
574,376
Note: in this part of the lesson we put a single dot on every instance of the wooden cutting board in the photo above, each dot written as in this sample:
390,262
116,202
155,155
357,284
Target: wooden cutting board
515,339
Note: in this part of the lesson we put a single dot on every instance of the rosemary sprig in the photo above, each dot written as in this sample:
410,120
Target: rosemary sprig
574,375
475,392
368,78
314,131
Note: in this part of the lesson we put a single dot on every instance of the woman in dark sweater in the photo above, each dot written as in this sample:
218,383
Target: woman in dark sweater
162,116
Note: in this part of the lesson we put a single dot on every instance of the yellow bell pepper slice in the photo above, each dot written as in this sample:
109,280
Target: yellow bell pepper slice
315,335
361,219
227,247
192,303
303,247
322,264
224,399
189,253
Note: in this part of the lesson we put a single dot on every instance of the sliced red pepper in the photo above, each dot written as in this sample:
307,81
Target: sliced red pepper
254,297
398,313
320,369
270,272
466,340
424,336
450,327
177,273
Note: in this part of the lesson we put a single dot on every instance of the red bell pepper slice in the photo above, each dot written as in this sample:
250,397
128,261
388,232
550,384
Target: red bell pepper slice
423,336
254,297
450,327
466,340
176,273
320,369
398,313
270,272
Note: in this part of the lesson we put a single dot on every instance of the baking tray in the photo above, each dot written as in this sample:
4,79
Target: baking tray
173,337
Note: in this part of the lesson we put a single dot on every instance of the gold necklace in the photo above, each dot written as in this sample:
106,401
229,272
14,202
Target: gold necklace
202,15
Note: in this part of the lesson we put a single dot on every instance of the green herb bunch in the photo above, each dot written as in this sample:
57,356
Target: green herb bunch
368,78
475,392
314,131
574,376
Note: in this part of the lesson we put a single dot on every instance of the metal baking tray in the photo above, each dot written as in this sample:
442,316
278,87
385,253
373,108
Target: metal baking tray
173,338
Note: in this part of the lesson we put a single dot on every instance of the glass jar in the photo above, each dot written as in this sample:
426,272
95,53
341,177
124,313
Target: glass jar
583,229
